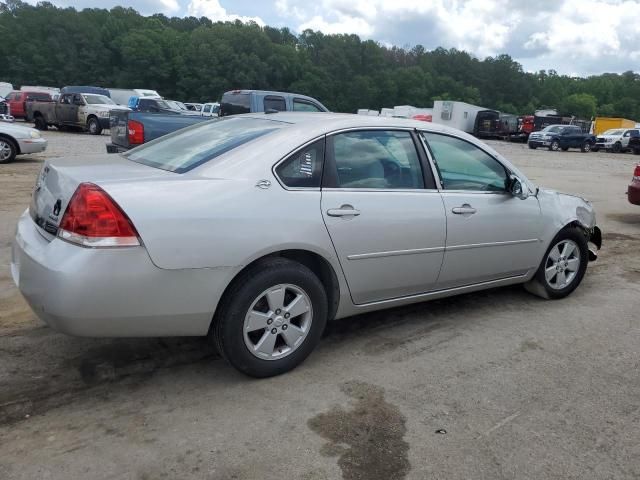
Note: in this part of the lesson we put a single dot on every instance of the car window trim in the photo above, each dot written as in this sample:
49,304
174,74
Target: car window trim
330,172
437,171
295,151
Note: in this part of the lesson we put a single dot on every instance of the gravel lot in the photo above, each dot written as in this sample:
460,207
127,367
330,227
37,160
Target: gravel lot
524,388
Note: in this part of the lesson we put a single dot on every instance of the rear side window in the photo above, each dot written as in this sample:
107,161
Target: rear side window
186,149
39,97
273,102
235,103
303,168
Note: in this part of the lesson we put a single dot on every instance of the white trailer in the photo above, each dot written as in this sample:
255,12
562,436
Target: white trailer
458,115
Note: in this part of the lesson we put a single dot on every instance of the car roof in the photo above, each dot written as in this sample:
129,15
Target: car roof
337,121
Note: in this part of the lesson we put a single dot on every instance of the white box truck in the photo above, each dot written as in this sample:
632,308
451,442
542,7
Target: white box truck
458,115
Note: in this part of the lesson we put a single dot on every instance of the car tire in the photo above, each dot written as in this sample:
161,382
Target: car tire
40,123
260,296
636,151
8,150
586,147
547,282
555,146
617,147
93,126
532,147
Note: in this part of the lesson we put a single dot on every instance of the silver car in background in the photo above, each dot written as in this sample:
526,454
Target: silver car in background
19,140
257,229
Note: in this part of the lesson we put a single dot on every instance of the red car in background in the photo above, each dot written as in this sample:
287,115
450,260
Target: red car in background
17,101
633,192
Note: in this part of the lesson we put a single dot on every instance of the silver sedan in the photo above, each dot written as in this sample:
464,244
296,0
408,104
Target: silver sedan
18,140
258,229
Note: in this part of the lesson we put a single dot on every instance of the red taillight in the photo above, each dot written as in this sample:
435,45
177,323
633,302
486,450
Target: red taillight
93,219
136,132
636,172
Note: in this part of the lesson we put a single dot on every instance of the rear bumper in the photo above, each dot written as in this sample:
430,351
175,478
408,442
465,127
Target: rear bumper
110,292
633,192
113,148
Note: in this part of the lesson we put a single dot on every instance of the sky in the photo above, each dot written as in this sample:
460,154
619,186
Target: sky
573,37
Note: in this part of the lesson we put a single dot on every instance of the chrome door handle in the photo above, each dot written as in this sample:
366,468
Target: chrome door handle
343,211
465,209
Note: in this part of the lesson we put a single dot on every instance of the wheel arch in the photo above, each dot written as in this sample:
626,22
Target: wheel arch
315,262
592,234
12,140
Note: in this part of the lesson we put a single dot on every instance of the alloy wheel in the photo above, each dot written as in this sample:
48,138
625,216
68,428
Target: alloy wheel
6,151
277,322
562,264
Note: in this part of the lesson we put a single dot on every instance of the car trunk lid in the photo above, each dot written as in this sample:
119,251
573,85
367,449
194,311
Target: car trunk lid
59,179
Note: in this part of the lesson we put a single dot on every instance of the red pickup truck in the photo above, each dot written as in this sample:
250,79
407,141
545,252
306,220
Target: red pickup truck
17,101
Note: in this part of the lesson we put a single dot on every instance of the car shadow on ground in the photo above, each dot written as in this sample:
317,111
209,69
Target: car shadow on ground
46,369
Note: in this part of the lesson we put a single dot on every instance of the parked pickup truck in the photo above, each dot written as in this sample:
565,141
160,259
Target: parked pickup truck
130,129
562,137
615,140
252,101
85,110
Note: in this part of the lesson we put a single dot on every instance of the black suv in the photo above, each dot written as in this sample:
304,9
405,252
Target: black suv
634,142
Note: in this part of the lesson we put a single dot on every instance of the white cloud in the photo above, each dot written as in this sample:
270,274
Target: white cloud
216,12
566,35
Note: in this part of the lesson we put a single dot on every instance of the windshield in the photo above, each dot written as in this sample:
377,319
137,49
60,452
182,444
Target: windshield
98,100
553,129
614,131
185,149
176,105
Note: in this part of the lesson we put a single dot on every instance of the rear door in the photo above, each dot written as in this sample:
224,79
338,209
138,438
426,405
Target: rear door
490,233
383,213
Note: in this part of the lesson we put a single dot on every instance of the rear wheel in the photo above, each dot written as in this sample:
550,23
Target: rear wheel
271,318
93,126
586,147
40,123
8,150
563,266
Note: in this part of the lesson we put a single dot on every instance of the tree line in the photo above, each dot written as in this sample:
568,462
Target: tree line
195,59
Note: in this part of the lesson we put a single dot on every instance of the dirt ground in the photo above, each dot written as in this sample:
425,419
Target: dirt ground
491,385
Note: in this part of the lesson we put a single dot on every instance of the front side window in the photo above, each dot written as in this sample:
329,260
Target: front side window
463,166
206,109
273,102
304,106
303,168
376,159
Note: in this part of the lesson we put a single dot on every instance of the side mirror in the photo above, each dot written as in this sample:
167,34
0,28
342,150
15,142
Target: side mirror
518,188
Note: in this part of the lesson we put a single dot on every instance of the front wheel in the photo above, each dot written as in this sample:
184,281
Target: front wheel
93,126
563,266
532,147
555,146
271,318
617,147
636,151
8,150
586,147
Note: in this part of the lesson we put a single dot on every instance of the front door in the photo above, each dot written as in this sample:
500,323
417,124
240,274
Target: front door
65,110
383,213
490,233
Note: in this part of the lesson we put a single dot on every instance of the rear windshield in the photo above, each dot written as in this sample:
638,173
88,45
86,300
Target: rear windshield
235,103
186,149
97,99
